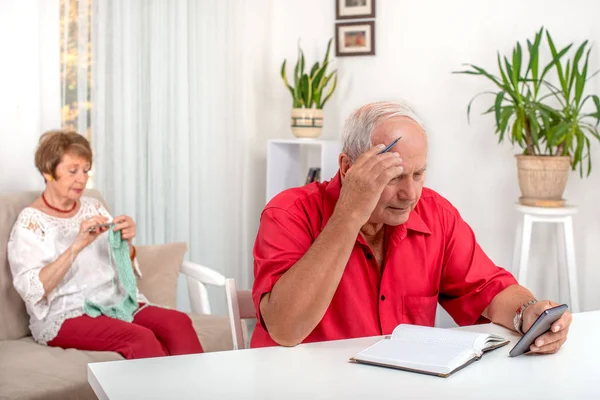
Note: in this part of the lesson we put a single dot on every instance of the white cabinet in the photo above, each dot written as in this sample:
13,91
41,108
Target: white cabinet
289,160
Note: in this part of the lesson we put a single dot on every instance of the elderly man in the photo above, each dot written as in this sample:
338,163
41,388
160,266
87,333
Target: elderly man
372,249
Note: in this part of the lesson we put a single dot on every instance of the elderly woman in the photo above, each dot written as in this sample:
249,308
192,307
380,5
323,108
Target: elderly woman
61,262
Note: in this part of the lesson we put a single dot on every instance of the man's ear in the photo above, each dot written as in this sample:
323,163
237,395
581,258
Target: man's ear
344,164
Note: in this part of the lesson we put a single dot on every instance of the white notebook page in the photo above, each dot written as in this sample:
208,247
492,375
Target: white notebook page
418,356
445,337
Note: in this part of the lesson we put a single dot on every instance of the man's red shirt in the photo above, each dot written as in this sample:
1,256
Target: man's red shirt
433,257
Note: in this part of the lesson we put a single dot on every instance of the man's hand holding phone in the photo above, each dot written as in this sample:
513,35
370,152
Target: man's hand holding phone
550,342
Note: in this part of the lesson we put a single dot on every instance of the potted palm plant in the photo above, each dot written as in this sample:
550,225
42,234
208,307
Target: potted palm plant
551,123
309,93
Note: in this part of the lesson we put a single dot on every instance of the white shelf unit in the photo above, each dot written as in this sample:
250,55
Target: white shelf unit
288,162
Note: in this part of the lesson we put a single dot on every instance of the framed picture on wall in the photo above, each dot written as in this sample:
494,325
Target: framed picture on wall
354,9
355,38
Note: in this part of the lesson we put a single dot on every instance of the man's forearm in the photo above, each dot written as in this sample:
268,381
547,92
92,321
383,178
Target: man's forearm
302,295
503,307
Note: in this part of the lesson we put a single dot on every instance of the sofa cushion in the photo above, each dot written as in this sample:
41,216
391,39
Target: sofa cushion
32,371
14,321
160,265
213,331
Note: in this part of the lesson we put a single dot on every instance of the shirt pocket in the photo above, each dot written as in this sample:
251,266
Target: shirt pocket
419,310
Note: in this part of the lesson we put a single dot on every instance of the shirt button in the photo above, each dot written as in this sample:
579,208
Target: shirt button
382,297
369,256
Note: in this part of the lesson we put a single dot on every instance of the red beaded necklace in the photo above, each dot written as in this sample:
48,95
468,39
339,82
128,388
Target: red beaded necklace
58,209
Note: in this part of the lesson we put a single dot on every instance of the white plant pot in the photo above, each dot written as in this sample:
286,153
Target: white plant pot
307,122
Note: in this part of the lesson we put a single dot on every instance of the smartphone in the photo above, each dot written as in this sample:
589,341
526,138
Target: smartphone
539,327
106,225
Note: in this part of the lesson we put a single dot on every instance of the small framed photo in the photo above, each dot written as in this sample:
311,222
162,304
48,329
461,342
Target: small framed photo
354,9
355,38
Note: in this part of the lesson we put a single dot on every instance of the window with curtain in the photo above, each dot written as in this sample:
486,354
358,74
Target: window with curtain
76,68
76,65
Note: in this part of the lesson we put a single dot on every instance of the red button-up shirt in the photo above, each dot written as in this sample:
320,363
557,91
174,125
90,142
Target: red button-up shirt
431,258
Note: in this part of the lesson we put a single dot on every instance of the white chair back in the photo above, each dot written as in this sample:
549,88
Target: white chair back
198,276
241,307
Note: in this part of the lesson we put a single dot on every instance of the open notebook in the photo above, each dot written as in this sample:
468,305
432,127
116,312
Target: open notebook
427,350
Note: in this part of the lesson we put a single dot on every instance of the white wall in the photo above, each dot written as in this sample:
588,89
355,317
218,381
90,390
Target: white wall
418,45
29,86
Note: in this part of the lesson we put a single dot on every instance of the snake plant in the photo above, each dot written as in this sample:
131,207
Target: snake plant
309,88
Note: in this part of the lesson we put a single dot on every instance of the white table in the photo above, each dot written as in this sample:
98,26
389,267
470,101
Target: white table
322,371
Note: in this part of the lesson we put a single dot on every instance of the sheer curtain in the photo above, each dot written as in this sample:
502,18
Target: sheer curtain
29,87
173,123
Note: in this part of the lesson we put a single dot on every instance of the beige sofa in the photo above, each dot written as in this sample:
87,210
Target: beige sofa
32,371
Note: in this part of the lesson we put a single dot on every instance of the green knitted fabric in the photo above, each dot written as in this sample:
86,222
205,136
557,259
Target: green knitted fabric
125,309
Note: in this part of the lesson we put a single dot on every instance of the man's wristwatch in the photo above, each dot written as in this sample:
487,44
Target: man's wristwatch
518,318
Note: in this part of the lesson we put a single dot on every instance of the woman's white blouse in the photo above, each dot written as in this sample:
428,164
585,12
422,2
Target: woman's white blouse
36,240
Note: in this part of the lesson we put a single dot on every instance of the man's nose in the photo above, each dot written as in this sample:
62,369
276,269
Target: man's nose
407,189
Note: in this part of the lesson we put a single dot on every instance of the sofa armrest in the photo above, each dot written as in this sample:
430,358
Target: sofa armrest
198,276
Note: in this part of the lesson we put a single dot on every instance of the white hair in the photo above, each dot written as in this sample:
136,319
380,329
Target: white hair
359,127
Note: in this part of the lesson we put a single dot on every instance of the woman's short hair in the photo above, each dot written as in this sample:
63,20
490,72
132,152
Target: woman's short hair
359,127
55,144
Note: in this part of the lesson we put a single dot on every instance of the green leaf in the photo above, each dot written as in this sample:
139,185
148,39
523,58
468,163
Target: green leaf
556,134
517,130
579,53
285,81
556,60
593,131
505,116
580,82
498,105
330,92
297,73
534,64
319,76
306,91
597,104
314,69
471,103
326,58
534,57
534,126
509,72
481,71
589,165
319,94
517,57
283,71
571,75
594,74
579,148
502,74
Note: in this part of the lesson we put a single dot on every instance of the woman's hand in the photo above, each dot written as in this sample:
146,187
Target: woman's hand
126,225
89,231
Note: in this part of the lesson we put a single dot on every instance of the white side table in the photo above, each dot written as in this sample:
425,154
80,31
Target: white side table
563,218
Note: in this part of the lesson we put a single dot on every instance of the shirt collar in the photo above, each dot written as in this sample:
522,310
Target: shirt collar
332,194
